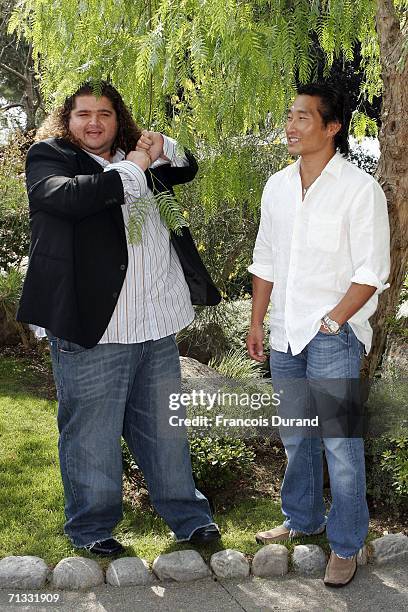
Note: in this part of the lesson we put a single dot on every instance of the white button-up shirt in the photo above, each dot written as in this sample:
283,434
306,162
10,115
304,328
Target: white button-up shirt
312,250
154,301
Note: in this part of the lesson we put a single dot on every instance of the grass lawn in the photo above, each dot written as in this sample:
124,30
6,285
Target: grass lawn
31,496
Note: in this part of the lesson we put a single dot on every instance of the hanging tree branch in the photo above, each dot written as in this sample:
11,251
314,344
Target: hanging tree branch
15,72
9,106
149,118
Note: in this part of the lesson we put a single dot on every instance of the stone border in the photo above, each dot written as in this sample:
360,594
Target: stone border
79,573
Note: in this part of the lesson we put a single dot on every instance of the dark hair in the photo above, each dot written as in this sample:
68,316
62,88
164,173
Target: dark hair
57,123
334,106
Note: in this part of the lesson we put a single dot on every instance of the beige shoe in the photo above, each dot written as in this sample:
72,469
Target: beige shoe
273,535
340,572
277,534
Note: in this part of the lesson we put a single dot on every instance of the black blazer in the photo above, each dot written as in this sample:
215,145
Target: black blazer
78,254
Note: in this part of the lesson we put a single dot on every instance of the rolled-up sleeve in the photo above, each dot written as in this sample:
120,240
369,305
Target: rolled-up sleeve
133,179
262,264
174,152
370,238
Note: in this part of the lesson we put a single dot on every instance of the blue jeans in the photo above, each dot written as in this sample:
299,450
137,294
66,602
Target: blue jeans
324,373
107,392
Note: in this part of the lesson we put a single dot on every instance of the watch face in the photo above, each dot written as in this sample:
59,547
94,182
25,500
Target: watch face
332,325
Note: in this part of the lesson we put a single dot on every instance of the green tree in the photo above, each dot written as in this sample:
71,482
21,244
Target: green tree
214,70
18,86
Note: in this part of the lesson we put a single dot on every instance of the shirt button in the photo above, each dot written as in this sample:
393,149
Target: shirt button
123,267
114,295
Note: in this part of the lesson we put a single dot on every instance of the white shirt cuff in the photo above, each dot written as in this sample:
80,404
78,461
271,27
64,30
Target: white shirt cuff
173,152
364,276
262,270
169,147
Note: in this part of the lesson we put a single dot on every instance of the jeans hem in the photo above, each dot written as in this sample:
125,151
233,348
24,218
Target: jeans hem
346,556
91,543
317,531
194,530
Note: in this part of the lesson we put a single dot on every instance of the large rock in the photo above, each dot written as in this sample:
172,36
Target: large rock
390,548
196,375
191,368
308,559
362,556
77,573
26,572
271,560
128,571
229,564
181,566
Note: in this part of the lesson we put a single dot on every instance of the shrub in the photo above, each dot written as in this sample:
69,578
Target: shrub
387,471
217,330
395,461
14,218
236,364
11,283
215,462
206,336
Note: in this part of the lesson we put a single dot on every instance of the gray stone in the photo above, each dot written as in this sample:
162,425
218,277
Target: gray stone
26,572
308,559
77,573
128,571
362,556
229,564
271,560
390,548
196,376
181,566
191,368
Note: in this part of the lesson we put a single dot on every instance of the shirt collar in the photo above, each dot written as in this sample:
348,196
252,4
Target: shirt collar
333,167
119,156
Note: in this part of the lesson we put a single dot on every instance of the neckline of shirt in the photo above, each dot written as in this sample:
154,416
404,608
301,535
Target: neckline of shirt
119,156
333,166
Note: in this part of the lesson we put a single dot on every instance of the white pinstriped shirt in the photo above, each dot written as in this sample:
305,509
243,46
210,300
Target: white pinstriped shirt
154,301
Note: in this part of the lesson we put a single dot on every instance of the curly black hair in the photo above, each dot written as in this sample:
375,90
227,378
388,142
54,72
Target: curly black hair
57,123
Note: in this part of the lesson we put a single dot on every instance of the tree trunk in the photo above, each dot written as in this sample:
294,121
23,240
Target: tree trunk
392,172
30,103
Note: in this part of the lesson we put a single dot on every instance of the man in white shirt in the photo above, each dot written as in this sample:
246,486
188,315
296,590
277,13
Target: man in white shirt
321,258
111,309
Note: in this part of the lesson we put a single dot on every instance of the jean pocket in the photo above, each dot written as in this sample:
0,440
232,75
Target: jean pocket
69,348
333,340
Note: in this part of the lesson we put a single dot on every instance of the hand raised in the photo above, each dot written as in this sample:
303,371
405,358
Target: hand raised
152,143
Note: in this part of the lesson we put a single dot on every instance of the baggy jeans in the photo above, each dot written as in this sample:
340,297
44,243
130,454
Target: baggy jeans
104,393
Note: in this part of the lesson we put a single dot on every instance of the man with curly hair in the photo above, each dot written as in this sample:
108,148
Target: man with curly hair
111,310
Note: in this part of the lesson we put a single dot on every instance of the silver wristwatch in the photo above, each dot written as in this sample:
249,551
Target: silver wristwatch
332,326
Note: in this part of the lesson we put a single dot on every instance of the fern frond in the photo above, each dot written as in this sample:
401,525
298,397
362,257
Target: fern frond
137,215
170,212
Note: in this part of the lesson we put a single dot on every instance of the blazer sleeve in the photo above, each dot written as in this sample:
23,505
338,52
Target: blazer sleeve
168,176
53,186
